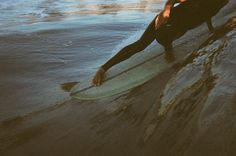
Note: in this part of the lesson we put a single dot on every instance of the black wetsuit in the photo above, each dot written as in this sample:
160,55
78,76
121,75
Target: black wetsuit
186,16
183,17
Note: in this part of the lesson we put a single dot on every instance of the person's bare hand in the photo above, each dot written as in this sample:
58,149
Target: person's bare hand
162,18
98,77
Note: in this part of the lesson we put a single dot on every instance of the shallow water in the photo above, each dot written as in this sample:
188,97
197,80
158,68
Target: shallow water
46,43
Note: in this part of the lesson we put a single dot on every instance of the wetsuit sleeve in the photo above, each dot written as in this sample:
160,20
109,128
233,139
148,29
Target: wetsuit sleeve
119,57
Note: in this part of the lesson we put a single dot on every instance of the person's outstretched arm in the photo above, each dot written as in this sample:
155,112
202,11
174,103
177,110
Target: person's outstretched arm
137,46
125,54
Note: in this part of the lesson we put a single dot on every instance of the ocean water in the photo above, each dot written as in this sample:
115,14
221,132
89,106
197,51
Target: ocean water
107,25
46,43
29,15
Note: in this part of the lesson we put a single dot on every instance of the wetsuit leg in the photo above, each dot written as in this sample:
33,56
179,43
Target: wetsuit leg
146,39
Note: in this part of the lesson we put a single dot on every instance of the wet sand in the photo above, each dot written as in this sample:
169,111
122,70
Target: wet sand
197,99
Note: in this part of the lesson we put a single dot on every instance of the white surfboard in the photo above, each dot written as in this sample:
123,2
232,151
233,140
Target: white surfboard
128,74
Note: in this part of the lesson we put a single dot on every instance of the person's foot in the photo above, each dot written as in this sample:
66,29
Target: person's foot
212,30
168,47
169,56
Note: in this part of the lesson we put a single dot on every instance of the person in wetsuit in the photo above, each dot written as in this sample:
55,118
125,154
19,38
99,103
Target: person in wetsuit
158,30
